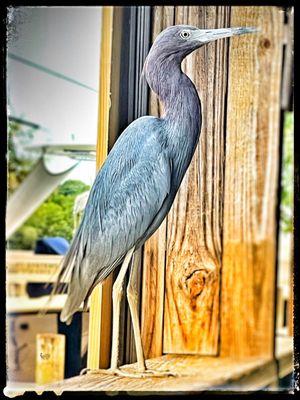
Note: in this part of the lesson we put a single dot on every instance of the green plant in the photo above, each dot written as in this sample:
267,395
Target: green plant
286,206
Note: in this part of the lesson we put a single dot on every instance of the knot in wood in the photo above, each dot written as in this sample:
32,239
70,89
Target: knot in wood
194,283
265,43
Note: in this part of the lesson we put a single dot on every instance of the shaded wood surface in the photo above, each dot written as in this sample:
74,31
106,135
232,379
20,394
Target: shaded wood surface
195,221
252,151
153,281
198,374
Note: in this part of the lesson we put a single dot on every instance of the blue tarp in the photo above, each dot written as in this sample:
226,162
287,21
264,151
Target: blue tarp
52,245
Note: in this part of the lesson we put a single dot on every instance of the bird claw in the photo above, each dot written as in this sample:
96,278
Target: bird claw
152,373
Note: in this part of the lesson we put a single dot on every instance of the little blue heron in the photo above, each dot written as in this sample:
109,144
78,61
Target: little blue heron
137,184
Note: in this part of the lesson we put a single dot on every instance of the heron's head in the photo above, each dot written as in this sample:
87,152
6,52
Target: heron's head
180,40
172,45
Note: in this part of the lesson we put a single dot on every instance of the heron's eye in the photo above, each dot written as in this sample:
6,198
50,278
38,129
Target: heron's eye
185,34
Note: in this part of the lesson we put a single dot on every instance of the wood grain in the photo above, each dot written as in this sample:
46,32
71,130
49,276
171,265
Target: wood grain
153,284
252,138
195,221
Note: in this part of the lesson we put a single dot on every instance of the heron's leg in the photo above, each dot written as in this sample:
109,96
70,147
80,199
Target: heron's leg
117,297
132,296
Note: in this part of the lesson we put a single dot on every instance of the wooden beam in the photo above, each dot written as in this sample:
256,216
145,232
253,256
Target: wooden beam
100,301
194,250
153,283
251,168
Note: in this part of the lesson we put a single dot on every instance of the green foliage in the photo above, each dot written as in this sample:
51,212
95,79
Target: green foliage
286,206
20,163
53,218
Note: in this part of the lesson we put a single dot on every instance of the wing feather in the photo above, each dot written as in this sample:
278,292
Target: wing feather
127,194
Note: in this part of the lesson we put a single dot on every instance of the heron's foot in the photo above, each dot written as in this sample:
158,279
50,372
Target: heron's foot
147,373
109,371
153,373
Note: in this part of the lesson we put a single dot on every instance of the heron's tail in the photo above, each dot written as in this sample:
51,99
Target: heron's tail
78,291
86,275
66,267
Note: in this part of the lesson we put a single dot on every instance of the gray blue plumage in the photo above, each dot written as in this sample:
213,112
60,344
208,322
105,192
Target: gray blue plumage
137,184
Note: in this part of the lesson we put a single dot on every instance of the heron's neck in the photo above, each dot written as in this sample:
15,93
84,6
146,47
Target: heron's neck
176,92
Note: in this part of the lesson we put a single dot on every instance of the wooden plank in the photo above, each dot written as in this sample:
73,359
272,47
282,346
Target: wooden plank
24,304
28,257
26,262
154,249
197,374
25,278
100,300
195,221
251,167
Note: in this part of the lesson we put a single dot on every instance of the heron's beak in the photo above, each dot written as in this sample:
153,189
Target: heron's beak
208,35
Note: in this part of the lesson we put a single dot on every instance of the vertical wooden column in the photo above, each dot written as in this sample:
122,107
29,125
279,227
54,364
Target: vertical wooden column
194,251
251,166
100,301
153,284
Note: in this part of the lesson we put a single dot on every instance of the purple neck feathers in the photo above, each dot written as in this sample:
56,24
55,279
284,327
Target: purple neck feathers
174,89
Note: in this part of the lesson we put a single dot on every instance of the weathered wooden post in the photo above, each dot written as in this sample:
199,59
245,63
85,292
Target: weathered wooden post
50,358
100,302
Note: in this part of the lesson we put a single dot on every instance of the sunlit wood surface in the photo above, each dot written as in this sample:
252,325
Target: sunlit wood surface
251,177
198,374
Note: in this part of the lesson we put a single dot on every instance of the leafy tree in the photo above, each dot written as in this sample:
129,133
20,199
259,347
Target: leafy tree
53,218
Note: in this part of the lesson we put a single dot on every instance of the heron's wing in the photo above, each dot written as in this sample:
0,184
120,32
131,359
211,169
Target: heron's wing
127,194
